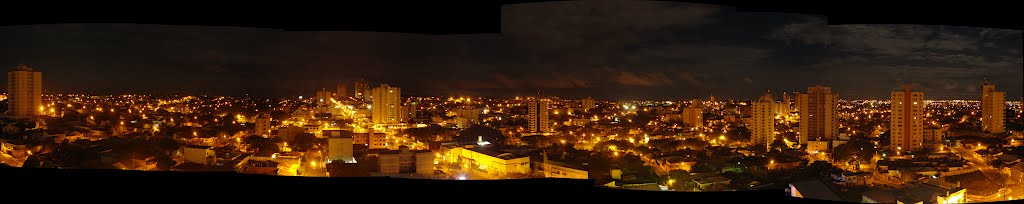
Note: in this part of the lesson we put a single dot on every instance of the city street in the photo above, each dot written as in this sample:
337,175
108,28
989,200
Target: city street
11,161
314,165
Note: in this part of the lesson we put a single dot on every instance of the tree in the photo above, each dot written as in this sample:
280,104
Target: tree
472,133
862,149
739,133
425,133
260,144
303,142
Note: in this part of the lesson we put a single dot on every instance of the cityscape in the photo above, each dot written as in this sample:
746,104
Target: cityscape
894,144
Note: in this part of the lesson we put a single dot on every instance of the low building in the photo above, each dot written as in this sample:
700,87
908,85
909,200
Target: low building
488,161
15,148
813,147
339,146
916,193
563,168
814,189
199,154
404,161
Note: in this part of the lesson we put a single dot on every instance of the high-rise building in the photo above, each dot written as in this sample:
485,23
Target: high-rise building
818,114
407,112
588,104
907,119
693,117
763,122
537,116
387,101
342,91
993,105
323,96
359,89
26,92
262,125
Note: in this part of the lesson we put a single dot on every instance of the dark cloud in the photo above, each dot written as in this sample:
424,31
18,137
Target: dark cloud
603,49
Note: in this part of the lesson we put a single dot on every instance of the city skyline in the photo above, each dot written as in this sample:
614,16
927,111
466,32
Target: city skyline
606,50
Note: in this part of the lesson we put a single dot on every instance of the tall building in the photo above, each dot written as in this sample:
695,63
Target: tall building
763,121
359,89
537,116
323,96
262,125
386,102
407,112
588,104
818,114
993,104
342,91
26,92
906,121
693,117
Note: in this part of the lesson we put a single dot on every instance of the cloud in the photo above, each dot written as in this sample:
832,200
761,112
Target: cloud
643,79
748,80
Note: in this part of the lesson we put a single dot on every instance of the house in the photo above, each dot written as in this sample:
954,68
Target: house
15,148
707,183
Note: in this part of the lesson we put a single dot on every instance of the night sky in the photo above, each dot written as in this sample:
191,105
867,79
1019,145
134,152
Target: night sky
603,49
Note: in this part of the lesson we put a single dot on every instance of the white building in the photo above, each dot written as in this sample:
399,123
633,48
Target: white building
25,88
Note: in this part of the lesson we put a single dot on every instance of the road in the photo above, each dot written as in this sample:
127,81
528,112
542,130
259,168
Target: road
990,173
314,165
11,161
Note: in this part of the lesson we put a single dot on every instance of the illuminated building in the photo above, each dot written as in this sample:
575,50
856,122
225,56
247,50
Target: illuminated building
199,154
386,102
571,169
339,146
693,117
467,117
906,122
371,139
360,89
262,124
323,97
993,104
342,91
487,161
814,147
25,88
935,134
818,114
407,112
762,125
588,104
537,116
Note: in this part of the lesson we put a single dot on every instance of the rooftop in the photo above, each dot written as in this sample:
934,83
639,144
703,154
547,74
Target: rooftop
816,189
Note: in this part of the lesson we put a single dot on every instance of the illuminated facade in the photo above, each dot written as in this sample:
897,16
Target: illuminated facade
762,126
537,116
588,104
342,91
906,120
25,88
262,124
818,114
339,146
693,117
360,89
489,162
993,104
386,102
